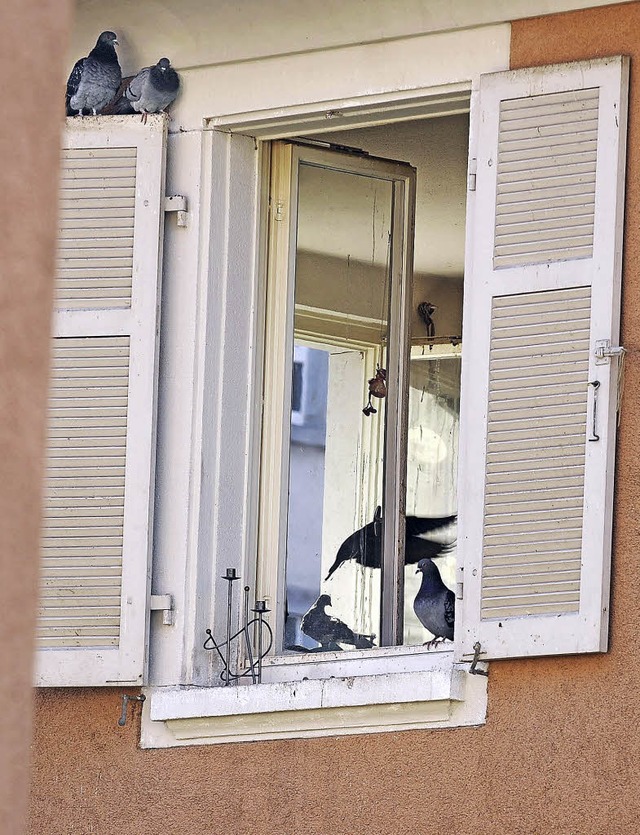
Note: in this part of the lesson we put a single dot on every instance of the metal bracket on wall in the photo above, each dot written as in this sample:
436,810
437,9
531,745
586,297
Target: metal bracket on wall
163,603
177,203
474,664
126,698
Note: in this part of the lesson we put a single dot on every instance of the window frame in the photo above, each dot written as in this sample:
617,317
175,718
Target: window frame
286,159
177,659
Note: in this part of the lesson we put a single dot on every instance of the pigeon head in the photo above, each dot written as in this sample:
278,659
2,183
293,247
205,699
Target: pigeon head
164,64
424,565
324,600
108,38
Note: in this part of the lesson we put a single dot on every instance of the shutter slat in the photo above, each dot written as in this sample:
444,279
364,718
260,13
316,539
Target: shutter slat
97,194
531,137
513,401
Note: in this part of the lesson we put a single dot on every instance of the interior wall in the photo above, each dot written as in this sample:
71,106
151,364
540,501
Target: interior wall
438,150
558,753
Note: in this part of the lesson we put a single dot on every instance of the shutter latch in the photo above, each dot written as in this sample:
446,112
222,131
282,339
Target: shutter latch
604,351
477,649
163,603
177,203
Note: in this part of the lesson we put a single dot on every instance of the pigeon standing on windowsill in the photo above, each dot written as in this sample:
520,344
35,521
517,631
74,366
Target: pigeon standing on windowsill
95,79
328,631
153,89
434,604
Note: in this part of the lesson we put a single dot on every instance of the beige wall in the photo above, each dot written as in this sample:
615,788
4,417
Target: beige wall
558,753
33,40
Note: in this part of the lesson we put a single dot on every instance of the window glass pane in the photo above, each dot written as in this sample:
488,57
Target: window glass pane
341,298
432,465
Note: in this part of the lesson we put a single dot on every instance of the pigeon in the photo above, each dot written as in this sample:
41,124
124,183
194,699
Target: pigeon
153,88
434,604
120,104
95,79
365,545
328,631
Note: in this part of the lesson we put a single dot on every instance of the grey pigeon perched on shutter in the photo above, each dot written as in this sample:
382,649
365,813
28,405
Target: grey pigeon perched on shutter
153,89
328,631
434,604
365,545
95,79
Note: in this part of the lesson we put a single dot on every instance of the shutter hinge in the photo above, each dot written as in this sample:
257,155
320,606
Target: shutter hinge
163,603
473,669
471,175
279,210
459,590
177,203
604,351
126,698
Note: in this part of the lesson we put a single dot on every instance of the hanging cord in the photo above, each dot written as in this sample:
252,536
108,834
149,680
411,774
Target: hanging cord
384,312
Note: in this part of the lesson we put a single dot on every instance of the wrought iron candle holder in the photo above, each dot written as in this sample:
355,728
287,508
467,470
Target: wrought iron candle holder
254,646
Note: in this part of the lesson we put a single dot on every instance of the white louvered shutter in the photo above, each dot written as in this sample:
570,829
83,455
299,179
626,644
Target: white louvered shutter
101,429
542,288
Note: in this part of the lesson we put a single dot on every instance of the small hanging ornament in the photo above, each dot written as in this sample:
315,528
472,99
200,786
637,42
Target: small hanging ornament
425,312
377,388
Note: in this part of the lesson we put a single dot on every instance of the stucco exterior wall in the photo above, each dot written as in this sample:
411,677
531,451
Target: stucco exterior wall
33,40
558,753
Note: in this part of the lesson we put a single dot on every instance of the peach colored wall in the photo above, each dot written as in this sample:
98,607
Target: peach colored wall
33,40
559,752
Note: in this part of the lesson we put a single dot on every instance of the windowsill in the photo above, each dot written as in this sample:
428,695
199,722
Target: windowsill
439,695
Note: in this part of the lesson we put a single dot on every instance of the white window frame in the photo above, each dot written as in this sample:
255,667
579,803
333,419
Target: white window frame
399,687
280,329
182,706
405,689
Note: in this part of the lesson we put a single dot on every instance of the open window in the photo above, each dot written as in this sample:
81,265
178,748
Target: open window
542,289
362,396
532,418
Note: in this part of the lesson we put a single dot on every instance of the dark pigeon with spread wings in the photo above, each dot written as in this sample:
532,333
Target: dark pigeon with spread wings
328,631
434,604
153,89
365,545
95,79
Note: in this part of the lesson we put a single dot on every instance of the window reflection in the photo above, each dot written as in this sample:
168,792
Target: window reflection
341,297
336,454
432,466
